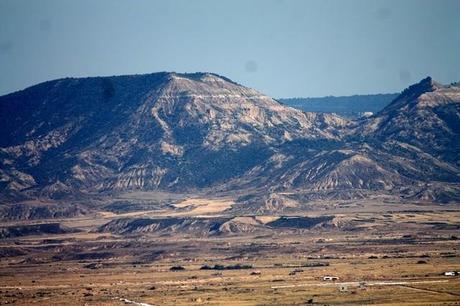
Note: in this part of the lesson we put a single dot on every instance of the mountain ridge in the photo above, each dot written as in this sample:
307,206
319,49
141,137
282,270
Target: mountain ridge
167,115
201,131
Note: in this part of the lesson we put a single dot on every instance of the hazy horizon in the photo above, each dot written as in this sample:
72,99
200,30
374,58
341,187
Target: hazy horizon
282,48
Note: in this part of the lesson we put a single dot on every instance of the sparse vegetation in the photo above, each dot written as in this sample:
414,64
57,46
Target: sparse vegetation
229,267
315,264
177,268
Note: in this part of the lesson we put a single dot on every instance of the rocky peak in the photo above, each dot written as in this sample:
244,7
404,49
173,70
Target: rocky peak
425,85
411,94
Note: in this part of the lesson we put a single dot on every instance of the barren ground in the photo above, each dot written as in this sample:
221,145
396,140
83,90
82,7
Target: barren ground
385,256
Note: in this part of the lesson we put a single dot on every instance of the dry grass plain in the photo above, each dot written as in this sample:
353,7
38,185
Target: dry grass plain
381,256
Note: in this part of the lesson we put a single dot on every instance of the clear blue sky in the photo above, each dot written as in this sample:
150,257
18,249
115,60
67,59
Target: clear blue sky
284,48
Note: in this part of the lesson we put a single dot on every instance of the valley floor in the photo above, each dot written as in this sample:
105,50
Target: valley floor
392,258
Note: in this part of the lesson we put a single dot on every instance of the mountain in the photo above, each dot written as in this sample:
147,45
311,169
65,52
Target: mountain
426,116
156,131
98,137
346,106
409,149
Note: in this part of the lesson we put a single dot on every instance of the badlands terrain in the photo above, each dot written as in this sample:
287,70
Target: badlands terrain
183,189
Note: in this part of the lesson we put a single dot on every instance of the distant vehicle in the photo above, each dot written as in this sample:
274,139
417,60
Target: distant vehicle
256,273
451,273
330,278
